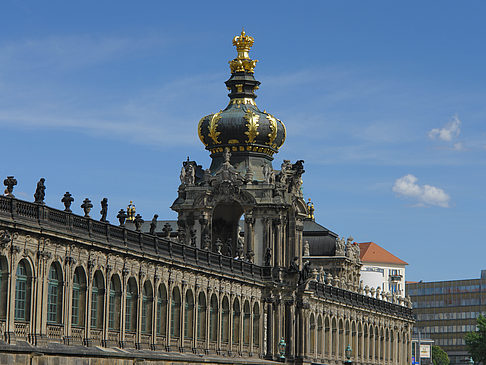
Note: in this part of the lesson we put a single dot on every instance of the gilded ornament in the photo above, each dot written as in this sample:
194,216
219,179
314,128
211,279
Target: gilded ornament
199,131
284,133
213,124
239,101
252,125
243,63
273,130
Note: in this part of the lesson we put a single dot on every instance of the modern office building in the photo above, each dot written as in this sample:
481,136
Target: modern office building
446,310
381,269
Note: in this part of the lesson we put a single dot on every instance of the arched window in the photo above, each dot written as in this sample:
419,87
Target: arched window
319,335
189,315
147,300
97,300
312,333
236,322
131,306
213,319
22,292
327,337
246,323
256,325
225,321
201,317
175,316
3,287
79,297
54,295
161,310
114,303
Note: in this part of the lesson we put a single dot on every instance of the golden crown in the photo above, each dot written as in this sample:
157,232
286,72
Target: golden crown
243,62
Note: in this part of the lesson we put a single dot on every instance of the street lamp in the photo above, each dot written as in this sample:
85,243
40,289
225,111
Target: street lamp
281,348
470,361
348,353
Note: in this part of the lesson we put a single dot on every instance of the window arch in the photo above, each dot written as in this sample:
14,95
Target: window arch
256,325
189,315
22,291
213,318
246,323
147,300
79,297
54,294
3,287
225,320
114,303
236,321
131,306
97,300
201,317
175,316
161,310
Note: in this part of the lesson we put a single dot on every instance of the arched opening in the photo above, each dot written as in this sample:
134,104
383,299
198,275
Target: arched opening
97,300
256,325
201,317
131,306
319,335
23,285
147,300
188,315
246,323
312,328
353,343
333,336
213,318
79,297
225,223
54,294
161,310
114,307
341,346
3,287
327,337
236,322
225,320
175,316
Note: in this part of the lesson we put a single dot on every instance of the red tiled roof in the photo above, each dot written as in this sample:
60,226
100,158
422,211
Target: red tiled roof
371,252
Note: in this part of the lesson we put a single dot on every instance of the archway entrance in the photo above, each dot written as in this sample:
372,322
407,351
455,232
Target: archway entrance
226,218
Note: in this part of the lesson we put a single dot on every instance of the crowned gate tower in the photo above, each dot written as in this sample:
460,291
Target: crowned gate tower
241,182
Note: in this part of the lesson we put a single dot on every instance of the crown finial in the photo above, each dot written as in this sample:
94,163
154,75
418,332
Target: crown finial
242,62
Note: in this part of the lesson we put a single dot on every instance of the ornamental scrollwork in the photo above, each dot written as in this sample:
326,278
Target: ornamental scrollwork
213,124
252,125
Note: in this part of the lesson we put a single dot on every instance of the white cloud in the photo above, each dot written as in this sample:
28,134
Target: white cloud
447,133
407,186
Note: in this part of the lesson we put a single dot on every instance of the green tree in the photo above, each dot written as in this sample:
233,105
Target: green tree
439,356
476,341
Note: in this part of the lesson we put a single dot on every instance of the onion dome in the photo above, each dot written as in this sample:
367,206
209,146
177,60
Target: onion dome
242,127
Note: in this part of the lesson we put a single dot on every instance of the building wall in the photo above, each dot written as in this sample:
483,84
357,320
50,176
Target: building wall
389,277
446,310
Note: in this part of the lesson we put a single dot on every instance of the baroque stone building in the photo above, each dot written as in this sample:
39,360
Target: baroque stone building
279,288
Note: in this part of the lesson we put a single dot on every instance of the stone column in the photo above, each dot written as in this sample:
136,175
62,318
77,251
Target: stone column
196,317
300,332
277,223
106,309
123,304
87,314
182,315
168,315
270,339
203,221
138,333
249,233
220,321
250,342
230,330
155,296
208,319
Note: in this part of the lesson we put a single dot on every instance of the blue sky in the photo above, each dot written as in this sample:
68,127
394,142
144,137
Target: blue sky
384,101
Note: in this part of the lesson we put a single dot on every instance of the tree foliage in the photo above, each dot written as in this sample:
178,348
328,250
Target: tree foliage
439,356
476,341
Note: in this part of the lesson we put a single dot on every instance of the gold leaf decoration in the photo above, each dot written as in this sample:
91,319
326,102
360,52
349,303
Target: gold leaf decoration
199,131
213,124
284,133
273,130
252,125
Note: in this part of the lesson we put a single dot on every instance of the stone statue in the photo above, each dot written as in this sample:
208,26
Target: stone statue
240,247
249,175
138,222
40,192
181,235
190,174
218,245
266,172
268,257
153,224
229,250
306,248
122,216
192,232
340,247
104,209
9,182
227,155
306,272
86,206
166,230
206,242
294,265
249,256
67,200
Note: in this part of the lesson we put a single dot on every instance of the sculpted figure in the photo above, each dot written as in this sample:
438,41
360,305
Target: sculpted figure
166,230
218,245
122,216
268,257
306,248
138,222
104,210
240,247
206,242
153,224
40,192
294,265
340,247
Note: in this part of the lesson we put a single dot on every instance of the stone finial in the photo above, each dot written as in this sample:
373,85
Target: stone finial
153,224
104,210
378,292
367,290
67,200
315,274
336,282
86,206
329,279
373,291
122,216
40,192
9,182
138,222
